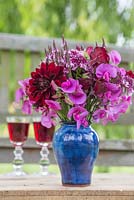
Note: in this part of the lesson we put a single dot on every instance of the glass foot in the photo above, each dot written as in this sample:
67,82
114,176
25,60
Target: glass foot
14,174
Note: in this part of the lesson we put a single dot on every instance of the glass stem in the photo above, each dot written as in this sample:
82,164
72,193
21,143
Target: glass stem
18,160
44,161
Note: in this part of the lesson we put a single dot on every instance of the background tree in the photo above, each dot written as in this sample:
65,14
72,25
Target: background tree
83,19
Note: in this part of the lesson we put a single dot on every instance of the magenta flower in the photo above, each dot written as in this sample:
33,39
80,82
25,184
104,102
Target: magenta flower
24,84
23,90
50,113
115,57
121,71
75,93
69,86
99,114
79,114
78,97
112,112
27,107
106,71
53,105
19,95
47,120
113,91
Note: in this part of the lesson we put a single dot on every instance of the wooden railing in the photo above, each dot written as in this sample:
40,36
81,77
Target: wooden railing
18,56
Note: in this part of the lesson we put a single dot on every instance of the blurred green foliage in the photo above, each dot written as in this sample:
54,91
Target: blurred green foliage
83,19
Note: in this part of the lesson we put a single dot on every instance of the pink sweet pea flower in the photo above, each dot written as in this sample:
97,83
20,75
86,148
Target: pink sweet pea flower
75,93
106,71
113,91
22,91
47,121
78,97
24,84
79,115
122,71
69,86
98,115
27,107
114,112
49,113
53,105
19,95
115,57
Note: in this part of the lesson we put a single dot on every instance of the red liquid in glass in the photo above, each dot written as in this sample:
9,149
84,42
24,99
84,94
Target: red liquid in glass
18,132
43,134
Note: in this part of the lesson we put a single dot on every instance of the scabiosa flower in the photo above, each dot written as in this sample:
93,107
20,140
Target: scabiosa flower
77,59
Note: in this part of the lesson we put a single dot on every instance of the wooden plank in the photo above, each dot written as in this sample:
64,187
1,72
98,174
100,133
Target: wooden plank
126,119
35,60
4,80
112,153
115,158
121,145
19,65
103,187
37,44
31,152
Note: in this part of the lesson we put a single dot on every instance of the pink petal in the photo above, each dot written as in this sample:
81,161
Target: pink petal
27,107
46,121
78,98
69,86
53,105
115,57
103,69
19,95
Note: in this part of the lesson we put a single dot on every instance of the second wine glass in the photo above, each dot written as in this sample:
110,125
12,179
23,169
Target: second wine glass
43,137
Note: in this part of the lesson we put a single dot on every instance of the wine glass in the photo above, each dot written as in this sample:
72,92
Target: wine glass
18,127
43,137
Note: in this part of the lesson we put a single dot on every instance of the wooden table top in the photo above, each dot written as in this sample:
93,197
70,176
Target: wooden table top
103,187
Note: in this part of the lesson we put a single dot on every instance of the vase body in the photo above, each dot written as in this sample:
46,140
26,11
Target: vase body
75,151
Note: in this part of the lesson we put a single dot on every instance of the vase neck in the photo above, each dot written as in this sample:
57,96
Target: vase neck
73,123
68,123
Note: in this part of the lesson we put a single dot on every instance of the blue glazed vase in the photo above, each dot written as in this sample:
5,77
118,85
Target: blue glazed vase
75,151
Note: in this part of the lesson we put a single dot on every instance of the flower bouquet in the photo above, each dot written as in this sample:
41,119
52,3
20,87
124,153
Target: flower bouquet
81,85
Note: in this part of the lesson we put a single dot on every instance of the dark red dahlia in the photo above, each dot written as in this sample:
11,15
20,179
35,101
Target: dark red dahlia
99,55
40,88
